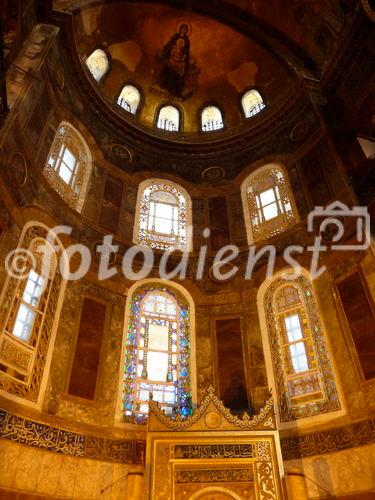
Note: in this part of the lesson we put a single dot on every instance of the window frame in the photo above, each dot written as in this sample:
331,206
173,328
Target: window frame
261,231
109,61
306,413
200,118
128,388
140,102
180,117
242,109
27,379
69,138
183,241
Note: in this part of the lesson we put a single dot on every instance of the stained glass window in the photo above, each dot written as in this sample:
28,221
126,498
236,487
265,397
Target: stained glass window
252,103
267,203
164,214
302,369
98,64
129,99
158,354
169,119
211,119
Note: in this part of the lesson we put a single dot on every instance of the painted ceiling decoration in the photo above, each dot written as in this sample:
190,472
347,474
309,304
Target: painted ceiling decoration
178,57
192,55
314,25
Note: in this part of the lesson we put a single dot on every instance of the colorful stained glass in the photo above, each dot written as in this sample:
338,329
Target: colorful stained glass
157,362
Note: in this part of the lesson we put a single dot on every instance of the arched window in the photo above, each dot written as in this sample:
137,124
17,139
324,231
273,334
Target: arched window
268,203
98,64
68,167
169,119
163,217
302,370
157,353
29,305
129,99
211,119
252,103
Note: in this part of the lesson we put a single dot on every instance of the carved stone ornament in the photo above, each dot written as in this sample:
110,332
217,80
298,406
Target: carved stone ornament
299,132
17,170
213,174
212,414
122,153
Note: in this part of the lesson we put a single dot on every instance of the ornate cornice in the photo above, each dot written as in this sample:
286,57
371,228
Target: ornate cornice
39,435
212,415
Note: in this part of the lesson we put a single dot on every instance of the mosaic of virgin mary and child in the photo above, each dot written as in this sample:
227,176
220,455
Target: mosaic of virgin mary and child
176,72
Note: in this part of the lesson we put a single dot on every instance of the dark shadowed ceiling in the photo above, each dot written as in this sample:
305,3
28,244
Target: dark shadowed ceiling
315,25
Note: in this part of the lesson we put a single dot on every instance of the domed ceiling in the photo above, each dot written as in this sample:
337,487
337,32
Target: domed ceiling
315,25
144,39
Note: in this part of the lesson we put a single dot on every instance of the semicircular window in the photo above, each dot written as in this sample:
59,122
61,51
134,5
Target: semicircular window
252,103
98,64
169,119
129,99
211,119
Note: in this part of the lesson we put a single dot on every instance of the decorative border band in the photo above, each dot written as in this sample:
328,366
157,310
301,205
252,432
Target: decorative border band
343,438
43,436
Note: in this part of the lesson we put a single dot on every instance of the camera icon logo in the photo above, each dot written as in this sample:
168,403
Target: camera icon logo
333,220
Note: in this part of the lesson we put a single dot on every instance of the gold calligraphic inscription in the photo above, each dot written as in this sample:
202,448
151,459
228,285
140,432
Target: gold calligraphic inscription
342,438
214,451
43,436
215,476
